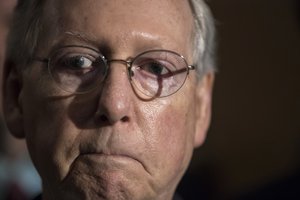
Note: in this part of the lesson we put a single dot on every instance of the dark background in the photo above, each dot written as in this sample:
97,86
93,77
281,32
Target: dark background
252,150
253,146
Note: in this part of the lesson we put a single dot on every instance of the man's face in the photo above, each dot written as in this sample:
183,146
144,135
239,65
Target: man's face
109,143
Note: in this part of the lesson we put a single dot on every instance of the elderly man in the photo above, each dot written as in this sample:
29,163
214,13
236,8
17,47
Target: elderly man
111,96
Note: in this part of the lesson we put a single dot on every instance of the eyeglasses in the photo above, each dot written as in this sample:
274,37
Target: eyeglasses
154,73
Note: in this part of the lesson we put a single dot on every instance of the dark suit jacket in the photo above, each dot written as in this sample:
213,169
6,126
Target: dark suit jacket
176,197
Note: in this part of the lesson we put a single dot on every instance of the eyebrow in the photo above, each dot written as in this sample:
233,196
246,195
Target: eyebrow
89,40
81,36
144,42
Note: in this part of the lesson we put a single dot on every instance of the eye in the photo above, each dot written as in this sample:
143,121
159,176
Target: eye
78,62
77,68
155,68
74,63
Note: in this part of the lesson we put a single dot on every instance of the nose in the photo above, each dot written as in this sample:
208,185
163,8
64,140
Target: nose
115,101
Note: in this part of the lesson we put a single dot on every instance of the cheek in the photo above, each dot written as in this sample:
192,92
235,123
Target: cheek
49,147
45,122
172,140
176,132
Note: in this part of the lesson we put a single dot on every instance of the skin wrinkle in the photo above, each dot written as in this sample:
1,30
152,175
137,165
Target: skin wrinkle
95,140
106,184
204,34
124,35
79,38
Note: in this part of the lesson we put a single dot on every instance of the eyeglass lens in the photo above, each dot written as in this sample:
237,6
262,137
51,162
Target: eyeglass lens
155,73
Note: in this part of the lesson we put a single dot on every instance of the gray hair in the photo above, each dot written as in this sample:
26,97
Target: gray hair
204,38
27,26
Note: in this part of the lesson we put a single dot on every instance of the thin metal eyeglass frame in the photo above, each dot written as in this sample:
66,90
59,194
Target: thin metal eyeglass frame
129,64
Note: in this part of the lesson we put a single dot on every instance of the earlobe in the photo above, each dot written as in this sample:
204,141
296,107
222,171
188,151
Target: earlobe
12,87
203,108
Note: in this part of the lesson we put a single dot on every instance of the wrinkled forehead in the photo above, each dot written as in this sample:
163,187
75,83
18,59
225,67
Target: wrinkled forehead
171,18
178,10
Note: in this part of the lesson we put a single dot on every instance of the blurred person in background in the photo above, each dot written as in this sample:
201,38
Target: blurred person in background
18,178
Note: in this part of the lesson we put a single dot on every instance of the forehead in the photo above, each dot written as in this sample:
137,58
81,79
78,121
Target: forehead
169,21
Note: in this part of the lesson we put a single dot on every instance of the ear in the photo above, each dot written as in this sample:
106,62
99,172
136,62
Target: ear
12,88
203,107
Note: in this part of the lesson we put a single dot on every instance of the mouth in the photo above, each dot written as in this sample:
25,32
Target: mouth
99,165
111,159
109,156
101,168
103,152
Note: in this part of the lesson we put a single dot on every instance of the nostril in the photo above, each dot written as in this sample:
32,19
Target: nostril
125,119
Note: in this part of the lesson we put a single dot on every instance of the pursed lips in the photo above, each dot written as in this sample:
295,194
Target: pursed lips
109,155
113,155
107,144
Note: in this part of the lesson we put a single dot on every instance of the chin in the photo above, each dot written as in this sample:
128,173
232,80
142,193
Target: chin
86,181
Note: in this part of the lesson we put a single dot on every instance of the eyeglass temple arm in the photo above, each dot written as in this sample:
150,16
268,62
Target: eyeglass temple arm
190,67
